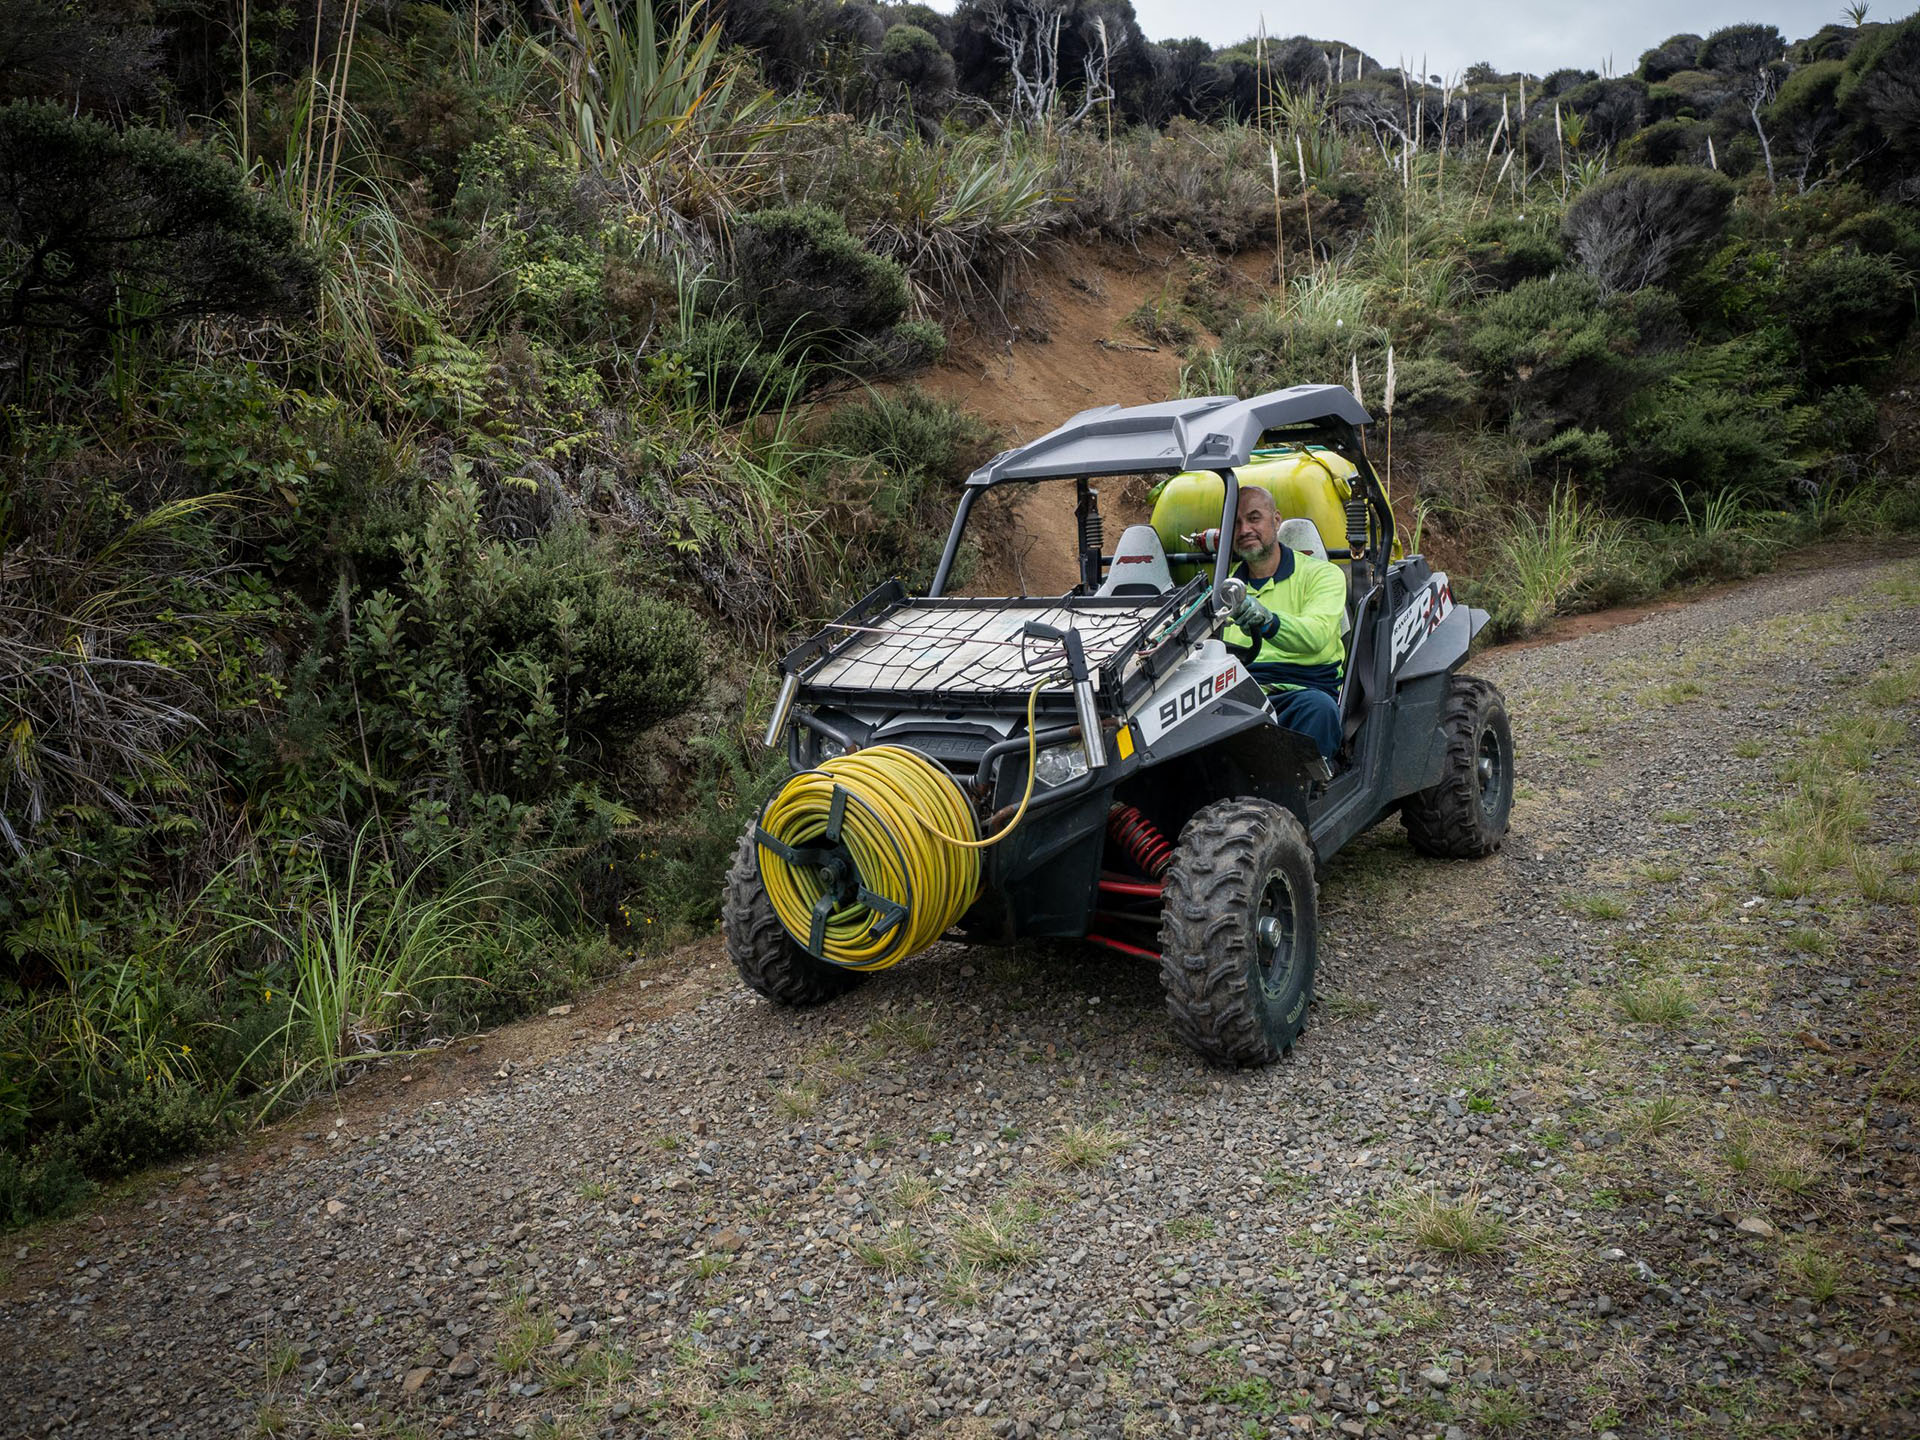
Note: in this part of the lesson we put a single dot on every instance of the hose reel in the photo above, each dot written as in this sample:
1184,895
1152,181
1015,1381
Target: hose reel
855,873
874,855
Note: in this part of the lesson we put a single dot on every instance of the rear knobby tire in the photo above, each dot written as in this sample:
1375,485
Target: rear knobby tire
766,956
1238,991
1464,815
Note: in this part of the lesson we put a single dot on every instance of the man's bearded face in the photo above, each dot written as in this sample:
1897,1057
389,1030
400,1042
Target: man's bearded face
1255,525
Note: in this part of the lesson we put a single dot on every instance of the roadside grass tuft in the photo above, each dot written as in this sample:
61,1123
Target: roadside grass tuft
1191,1227
1897,685
1658,1002
1338,1005
913,1033
1813,1270
1085,1147
796,1102
1598,907
1776,1156
1504,1411
914,1193
1809,941
894,1253
961,1284
1677,691
994,1238
1660,1115
1462,1226
524,1336
283,1358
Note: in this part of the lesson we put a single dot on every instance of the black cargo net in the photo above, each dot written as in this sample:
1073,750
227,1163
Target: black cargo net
940,649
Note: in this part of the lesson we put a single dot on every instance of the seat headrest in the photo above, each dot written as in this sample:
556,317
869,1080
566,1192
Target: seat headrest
1139,565
1303,535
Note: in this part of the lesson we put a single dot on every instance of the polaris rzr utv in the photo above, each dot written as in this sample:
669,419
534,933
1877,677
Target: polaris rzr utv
1166,815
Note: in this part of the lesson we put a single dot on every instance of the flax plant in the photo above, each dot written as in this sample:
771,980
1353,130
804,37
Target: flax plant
961,215
657,107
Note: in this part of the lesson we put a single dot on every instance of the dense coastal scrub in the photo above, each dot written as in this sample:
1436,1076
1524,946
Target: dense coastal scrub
420,426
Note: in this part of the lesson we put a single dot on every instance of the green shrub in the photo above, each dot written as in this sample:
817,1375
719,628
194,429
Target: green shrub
509,972
910,432
733,371
803,280
913,60
1506,249
40,1184
1631,229
1886,230
1584,454
682,877
1846,419
1553,354
1848,311
107,232
1880,94
142,1128
639,657
1666,142
1699,430
505,667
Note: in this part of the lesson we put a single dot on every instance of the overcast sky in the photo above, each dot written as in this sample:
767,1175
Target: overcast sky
1537,37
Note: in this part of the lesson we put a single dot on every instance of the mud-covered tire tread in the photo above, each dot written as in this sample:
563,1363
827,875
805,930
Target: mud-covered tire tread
1207,950
762,951
1446,821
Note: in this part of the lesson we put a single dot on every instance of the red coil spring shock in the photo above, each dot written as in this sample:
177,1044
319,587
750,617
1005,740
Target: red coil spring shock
1140,838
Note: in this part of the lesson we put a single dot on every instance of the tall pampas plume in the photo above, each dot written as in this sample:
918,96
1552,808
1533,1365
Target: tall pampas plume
1523,137
1306,206
1358,398
1386,408
1279,236
1711,159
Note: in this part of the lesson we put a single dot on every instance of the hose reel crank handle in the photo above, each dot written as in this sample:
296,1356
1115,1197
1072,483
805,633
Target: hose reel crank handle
1232,591
1083,703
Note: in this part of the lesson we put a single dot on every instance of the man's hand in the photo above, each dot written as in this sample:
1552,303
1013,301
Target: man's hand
1254,618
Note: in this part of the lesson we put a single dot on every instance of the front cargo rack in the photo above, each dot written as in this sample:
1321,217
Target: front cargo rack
973,654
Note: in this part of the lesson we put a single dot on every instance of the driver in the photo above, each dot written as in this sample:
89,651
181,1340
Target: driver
1292,610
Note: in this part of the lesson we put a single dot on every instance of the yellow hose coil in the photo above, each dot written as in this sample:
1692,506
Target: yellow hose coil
909,831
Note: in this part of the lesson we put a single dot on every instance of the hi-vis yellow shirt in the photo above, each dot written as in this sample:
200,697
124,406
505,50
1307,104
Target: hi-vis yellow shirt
1308,596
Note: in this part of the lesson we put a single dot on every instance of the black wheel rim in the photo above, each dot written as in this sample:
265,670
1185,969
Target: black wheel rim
1274,935
1490,766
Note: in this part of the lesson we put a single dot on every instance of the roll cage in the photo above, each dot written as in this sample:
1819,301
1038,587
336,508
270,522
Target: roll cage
1218,433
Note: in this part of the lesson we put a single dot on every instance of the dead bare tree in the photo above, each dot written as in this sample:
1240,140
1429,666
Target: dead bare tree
1760,94
1028,33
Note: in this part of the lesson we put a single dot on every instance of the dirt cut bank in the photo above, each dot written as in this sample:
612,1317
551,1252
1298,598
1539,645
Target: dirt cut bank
1613,1133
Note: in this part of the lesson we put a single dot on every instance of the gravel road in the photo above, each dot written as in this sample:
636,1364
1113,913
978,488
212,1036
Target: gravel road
1612,1133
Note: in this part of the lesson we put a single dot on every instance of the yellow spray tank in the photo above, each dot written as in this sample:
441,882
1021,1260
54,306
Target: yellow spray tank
1305,481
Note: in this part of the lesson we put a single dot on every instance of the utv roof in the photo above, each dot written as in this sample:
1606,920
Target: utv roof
1218,432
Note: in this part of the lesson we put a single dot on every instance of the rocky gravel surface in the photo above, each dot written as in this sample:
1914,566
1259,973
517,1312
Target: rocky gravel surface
1611,1134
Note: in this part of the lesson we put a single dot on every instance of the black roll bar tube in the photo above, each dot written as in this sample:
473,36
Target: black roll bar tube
952,552
1223,560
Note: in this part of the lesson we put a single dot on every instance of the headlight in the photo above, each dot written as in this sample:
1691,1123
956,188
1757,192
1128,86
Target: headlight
1061,763
827,748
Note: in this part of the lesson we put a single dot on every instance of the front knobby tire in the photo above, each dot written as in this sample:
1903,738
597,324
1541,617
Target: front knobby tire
1239,932
767,957
1464,815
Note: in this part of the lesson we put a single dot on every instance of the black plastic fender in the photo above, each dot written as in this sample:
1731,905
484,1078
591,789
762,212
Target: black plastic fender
1445,646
